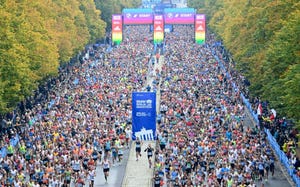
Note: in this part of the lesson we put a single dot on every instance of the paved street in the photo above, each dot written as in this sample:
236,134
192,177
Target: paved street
138,173
116,174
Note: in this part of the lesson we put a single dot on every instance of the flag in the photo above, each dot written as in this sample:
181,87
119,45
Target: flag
273,114
259,109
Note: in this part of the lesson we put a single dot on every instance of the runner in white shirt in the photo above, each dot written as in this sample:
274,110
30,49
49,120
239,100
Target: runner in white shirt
92,175
76,166
106,165
128,136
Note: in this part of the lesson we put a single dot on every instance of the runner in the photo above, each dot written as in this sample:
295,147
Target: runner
128,135
106,166
95,156
67,177
114,152
157,180
92,175
79,182
120,153
76,165
149,151
138,146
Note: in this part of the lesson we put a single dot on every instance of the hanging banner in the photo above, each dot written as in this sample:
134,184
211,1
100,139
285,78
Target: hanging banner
117,35
158,29
138,16
179,15
200,29
144,115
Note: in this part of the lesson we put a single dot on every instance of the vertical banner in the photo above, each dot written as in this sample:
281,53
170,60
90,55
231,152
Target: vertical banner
158,28
200,29
116,23
144,115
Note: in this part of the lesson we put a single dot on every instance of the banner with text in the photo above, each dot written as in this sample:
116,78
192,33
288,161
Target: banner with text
158,29
200,28
179,15
144,115
138,16
117,34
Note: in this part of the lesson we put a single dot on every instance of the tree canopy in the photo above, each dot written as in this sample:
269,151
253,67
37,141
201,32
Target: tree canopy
114,7
263,38
38,36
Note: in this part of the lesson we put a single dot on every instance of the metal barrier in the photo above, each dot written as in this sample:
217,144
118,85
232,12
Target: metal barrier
281,155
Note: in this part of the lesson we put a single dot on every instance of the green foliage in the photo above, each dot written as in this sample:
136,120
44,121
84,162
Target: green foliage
95,25
282,66
36,36
110,7
15,73
263,38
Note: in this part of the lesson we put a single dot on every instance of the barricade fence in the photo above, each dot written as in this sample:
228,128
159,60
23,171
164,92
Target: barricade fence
280,154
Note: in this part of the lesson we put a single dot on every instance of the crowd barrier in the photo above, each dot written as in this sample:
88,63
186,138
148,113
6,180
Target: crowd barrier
280,154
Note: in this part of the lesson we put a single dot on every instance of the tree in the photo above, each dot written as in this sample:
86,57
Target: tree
95,25
16,77
36,37
108,8
282,68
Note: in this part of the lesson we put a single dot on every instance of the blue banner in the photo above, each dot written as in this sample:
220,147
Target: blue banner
144,115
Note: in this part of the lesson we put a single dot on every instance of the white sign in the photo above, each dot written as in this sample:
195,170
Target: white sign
144,103
117,17
200,17
145,134
117,28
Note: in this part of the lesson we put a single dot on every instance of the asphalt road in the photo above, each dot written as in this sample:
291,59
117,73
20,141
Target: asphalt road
116,174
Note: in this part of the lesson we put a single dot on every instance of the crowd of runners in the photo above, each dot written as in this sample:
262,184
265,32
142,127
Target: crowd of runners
84,122
201,136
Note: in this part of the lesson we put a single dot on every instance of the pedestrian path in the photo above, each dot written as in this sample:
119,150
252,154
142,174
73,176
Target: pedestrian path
138,172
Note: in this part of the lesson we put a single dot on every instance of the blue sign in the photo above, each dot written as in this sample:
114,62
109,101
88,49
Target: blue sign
168,28
180,10
137,10
144,115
